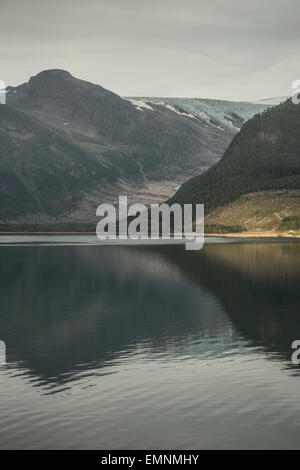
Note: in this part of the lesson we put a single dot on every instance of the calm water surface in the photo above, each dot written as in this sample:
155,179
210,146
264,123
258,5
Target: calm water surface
149,347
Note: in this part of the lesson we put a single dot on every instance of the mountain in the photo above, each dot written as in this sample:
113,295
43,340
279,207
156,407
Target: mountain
68,145
41,172
257,182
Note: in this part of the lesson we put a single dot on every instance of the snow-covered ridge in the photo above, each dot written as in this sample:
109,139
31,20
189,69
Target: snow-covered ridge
219,113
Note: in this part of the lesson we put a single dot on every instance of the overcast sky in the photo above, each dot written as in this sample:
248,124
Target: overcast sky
227,49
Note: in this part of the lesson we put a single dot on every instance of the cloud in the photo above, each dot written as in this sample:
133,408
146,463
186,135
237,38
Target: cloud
163,47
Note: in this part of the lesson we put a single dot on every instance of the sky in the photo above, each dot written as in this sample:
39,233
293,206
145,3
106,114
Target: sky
223,49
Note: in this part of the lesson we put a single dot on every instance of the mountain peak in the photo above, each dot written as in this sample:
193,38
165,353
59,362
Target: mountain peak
51,74
54,73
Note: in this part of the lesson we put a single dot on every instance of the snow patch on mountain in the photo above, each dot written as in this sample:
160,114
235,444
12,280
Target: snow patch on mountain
218,113
139,104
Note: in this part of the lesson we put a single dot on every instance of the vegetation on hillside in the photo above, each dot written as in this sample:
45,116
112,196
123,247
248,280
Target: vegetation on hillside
219,228
263,210
290,223
265,155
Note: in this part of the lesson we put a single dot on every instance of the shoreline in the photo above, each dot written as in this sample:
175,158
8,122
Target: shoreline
217,235
255,235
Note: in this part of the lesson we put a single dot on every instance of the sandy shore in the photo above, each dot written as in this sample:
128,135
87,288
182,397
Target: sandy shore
256,235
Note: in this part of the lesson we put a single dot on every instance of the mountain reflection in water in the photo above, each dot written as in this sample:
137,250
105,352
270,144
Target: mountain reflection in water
84,313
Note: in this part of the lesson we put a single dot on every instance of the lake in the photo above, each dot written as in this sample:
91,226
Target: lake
151,347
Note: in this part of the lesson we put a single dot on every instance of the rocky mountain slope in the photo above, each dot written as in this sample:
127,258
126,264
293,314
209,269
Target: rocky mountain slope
68,145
